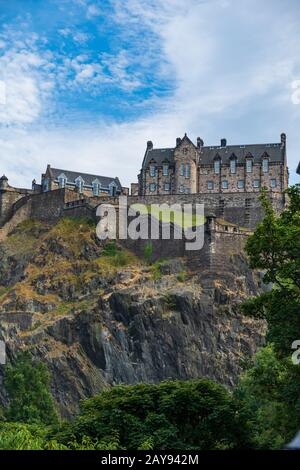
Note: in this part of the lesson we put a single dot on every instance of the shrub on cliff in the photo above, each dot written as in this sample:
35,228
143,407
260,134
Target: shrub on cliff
27,385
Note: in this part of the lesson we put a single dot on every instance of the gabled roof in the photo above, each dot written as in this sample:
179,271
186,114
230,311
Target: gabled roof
87,177
207,154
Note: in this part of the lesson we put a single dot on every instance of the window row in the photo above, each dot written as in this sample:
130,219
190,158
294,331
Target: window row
153,187
185,170
241,184
249,165
153,170
79,183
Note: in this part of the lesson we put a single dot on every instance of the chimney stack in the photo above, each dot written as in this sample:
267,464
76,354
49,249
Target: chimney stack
283,139
223,142
3,182
200,142
149,145
178,141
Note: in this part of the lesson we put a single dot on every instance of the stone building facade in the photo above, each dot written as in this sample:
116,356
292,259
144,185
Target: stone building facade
190,169
84,183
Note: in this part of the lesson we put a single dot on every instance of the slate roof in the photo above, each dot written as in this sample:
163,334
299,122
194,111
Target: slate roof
274,152
87,177
207,154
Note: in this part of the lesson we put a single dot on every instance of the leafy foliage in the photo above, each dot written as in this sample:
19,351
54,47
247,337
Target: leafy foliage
171,415
27,385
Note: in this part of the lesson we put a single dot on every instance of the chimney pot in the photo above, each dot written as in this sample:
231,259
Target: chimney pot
223,142
149,144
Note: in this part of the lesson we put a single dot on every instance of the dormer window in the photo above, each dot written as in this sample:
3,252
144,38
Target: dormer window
96,187
79,184
62,181
233,165
217,166
165,169
152,170
112,188
265,165
249,165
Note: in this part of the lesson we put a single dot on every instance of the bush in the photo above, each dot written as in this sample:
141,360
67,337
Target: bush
27,385
177,415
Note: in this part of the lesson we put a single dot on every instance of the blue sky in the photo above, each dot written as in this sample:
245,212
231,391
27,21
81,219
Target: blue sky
85,83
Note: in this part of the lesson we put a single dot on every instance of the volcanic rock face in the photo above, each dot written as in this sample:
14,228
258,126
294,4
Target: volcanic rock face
96,315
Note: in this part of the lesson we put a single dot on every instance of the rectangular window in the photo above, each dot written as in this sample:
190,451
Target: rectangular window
224,184
249,164
188,170
79,184
62,182
217,166
167,186
273,183
165,170
152,187
233,165
182,169
265,165
241,184
95,189
152,170
210,185
255,183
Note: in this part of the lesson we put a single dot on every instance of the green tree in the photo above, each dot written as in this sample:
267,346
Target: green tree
269,390
275,248
195,414
27,385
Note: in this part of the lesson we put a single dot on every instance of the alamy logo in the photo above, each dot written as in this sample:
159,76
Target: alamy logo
296,354
152,222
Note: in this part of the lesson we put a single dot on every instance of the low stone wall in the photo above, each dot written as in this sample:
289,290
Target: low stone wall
242,209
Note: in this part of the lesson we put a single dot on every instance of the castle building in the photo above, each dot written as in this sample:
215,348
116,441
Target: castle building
84,183
197,169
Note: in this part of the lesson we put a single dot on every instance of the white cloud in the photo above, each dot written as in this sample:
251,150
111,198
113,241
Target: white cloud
24,93
92,11
233,77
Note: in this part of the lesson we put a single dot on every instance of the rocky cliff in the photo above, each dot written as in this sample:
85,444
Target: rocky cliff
97,315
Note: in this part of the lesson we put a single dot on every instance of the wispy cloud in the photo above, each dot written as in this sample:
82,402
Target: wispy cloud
232,64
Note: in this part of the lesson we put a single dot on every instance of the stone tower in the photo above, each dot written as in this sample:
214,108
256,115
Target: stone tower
186,161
